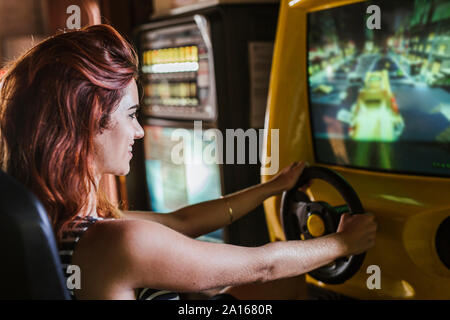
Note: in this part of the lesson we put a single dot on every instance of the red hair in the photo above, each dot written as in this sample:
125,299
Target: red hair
53,101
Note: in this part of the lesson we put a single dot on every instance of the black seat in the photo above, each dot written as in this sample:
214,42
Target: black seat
30,267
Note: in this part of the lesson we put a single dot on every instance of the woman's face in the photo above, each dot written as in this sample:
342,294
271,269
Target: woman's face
114,146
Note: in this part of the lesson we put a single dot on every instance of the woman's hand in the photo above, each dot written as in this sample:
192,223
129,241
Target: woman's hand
288,177
358,232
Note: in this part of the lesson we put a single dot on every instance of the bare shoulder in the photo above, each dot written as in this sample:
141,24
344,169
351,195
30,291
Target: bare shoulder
106,255
112,239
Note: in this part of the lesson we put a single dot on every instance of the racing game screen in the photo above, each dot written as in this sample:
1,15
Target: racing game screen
379,85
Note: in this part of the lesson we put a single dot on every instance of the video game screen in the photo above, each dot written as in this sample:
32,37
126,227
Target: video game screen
379,85
174,185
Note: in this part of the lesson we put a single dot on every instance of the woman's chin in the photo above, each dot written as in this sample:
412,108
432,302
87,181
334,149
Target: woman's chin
122,171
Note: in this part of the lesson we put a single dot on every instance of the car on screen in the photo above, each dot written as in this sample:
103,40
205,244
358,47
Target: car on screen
375,115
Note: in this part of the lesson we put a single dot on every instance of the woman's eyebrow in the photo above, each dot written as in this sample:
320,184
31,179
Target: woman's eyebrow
136,106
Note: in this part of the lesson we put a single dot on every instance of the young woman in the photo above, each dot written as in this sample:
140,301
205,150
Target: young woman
68,115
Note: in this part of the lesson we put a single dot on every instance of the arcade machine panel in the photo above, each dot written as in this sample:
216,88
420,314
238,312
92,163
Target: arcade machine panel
373,105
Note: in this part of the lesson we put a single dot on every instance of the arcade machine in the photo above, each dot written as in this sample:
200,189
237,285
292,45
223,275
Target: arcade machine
203,72
364,98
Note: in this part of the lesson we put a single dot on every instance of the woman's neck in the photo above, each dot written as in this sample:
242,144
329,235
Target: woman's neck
91,206
90,209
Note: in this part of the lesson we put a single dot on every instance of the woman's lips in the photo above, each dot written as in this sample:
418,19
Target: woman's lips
130,150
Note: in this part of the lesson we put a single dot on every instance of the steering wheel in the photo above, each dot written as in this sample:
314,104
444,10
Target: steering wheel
305,219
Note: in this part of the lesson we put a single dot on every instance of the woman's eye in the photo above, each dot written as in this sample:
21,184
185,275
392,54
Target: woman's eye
133,115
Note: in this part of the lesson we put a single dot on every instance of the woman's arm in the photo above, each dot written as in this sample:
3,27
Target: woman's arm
202,218
205,217
117,256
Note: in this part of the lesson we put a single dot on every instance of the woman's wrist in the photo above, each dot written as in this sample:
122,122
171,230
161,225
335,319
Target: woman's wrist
270,188
342,246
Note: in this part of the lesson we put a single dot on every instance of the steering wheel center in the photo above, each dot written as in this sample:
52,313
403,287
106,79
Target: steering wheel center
316,226
317,219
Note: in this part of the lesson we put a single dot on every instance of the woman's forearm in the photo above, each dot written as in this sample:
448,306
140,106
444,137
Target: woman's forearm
211,215
292,258
244,201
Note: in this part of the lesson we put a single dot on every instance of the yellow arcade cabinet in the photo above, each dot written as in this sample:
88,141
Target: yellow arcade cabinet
341,67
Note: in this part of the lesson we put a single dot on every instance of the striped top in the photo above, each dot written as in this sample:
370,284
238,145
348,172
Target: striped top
70,237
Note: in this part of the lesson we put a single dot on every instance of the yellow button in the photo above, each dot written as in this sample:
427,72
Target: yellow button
315,225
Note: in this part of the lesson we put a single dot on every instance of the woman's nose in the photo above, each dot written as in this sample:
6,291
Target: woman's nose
139,134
